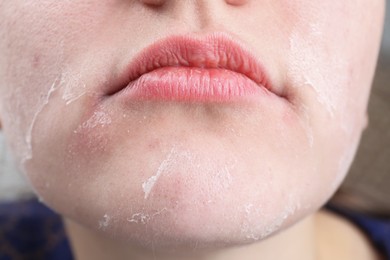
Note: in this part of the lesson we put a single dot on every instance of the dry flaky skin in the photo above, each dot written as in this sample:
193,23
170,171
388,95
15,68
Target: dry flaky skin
168,174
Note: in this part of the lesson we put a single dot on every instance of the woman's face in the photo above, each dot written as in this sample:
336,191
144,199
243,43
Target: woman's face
166,172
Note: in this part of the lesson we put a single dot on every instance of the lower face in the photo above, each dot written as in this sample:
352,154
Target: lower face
171,174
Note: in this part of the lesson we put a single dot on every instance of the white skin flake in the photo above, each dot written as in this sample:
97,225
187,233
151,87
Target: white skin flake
99,118
305,56
139,218
246,226
103,224
254,229
144,218
147,186
28,138
73,88
276,225
220,172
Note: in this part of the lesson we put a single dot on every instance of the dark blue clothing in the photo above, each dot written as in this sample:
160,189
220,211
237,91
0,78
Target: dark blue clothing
31,231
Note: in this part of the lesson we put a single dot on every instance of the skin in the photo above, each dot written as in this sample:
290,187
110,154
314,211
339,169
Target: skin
241,171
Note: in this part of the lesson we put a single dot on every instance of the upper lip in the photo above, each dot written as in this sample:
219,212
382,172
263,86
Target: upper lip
217,51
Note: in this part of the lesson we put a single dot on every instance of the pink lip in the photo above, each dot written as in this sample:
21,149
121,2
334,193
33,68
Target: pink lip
184,68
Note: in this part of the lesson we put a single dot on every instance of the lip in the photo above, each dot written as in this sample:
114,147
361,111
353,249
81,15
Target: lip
157,72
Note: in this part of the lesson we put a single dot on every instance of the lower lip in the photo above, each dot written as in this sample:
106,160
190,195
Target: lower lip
193,84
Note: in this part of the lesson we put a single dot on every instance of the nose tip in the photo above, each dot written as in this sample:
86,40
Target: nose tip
161,2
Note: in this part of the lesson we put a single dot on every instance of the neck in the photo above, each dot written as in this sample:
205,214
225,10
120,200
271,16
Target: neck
297,242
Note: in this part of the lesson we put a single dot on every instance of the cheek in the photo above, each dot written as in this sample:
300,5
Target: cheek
317,62
331,62
331,66
336,58
52,36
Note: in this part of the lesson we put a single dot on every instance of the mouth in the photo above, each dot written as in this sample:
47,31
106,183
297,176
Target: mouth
213,67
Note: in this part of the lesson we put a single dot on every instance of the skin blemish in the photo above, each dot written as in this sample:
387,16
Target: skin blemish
36,61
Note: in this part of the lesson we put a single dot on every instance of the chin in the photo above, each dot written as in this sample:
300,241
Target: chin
190,210
163,177
179,198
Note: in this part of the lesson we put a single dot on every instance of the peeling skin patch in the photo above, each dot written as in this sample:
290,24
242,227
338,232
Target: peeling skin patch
196,165
254,226
139,218
144,218
98,118
28,138
277,224
148,185
246,228
103,224
306,55
73,88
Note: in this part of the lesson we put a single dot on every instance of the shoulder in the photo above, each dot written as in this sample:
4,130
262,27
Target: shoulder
341,239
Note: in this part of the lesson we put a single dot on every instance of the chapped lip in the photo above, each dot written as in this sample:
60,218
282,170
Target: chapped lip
211,51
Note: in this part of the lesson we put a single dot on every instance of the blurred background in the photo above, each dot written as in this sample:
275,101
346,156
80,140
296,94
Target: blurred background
367,187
